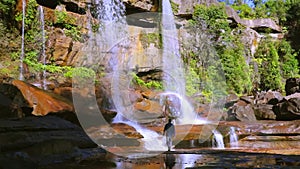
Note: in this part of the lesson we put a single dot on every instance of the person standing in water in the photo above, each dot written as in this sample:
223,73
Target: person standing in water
169,131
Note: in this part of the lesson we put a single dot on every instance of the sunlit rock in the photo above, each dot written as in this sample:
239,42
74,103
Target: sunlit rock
41,101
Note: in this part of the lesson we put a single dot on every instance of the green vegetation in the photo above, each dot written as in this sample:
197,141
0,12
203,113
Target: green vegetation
229,48
151,84
33,38
69,23
276,60
148,38
175,7
80,73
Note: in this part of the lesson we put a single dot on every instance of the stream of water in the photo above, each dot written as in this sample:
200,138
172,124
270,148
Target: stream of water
233,137
217,141
21,76
173,70
43,50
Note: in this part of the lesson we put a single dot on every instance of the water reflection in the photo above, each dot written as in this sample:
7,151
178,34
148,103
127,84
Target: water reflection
170,161
211,160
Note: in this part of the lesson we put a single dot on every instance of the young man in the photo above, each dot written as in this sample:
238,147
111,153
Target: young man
169,131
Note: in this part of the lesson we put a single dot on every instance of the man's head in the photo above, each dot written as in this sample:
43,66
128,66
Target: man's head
170,120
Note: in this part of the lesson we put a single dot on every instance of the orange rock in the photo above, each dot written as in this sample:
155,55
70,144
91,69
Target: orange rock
41,101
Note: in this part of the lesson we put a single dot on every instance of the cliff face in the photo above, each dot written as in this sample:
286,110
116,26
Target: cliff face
66,51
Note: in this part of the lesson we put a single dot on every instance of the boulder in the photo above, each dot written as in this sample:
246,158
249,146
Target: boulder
292,86
127,130
241,111
41,101
118,134
230,100
264,112
289,108
255,23
13,104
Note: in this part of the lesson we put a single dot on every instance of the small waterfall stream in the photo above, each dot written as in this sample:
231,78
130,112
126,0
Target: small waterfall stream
217,141
152,140
21,76
233,137
43,50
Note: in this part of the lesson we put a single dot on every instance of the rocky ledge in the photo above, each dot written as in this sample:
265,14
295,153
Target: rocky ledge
37,141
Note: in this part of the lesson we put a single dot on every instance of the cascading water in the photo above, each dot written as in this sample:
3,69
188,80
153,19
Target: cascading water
173,79
217,141
172,66
43,50
21,76
233,137
152,140
112,34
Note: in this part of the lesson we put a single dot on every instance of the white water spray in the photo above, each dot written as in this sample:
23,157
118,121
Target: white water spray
172,64
152,140
217,141
233,137
185,113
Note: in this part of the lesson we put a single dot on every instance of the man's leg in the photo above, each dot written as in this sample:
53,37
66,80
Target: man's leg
169,143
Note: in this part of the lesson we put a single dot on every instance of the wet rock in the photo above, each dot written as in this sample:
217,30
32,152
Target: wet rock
127,130
292,86
118,134
149,106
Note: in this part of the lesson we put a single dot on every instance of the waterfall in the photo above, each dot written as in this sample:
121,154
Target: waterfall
43,50
111,13
21,76
172,64
233,137
112,34
217,141
173,70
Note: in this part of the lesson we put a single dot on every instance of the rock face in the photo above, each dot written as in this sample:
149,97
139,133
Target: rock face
187,7
288,108
41,101
42,140
256,23
13,104
292,86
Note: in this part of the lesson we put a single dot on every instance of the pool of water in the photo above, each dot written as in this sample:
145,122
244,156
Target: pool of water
176,160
